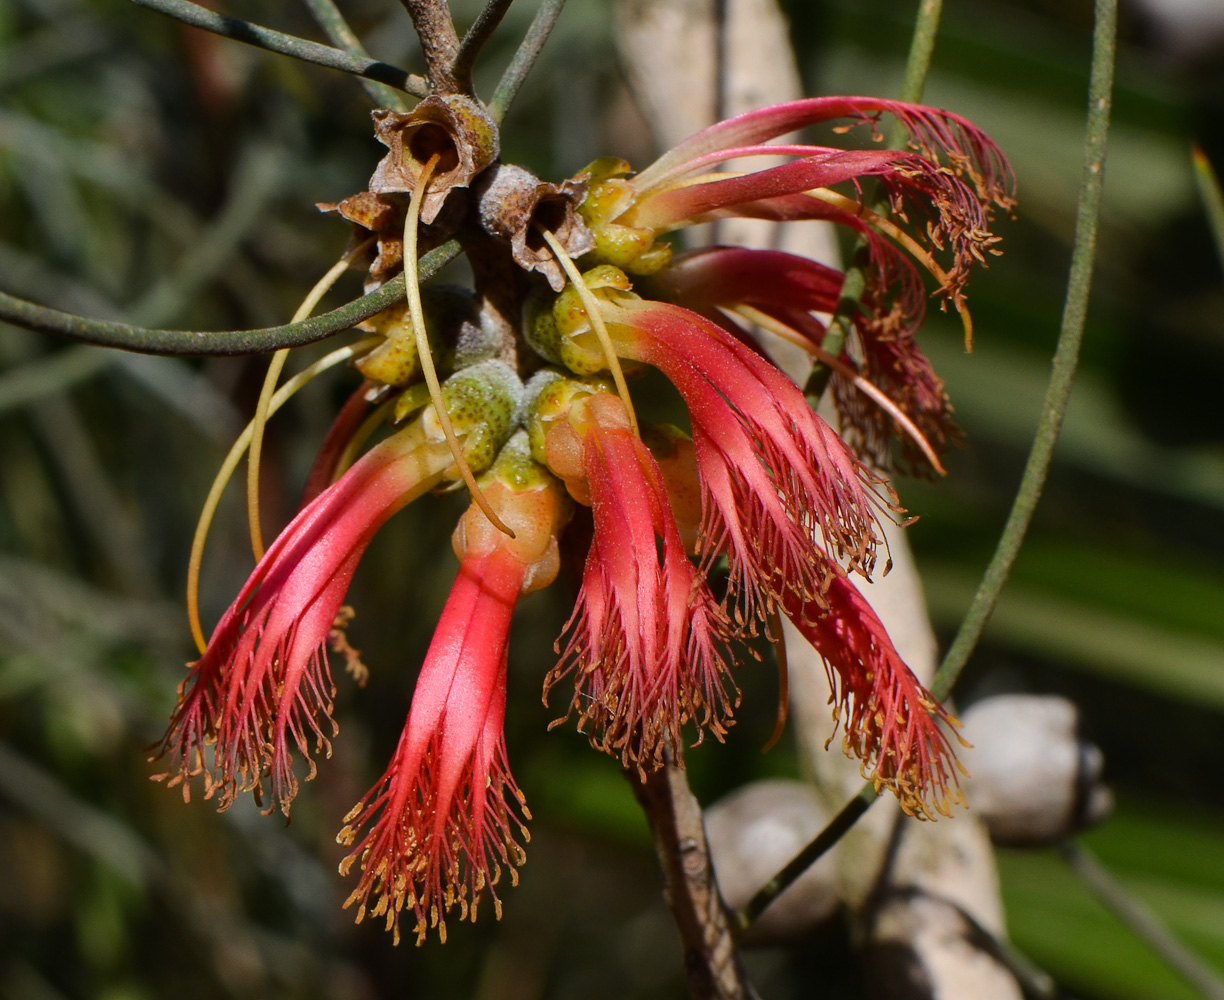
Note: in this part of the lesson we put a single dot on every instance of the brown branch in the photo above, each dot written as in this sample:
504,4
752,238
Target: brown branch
711,961
439,42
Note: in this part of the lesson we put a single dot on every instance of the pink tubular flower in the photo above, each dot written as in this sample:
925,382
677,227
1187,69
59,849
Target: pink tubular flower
262,686
445,817
953,175
788,289
891,722
646,639
784,499
774,475
954,170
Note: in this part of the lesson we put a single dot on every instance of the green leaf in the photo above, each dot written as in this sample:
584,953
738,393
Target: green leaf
1171,860
1115,645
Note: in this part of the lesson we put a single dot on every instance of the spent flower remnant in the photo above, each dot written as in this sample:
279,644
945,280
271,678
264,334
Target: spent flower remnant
574,293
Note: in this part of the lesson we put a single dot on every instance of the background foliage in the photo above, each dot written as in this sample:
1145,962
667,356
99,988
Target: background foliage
154,173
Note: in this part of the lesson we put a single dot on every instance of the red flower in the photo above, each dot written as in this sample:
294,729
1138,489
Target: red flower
719,281
262,688
891,722
646,639
445,817
774,476
953,175
785,500
762,481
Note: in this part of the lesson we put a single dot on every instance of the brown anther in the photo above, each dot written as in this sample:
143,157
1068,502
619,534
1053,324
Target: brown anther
515,205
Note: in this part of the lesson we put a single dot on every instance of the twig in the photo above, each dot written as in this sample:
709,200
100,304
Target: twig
711,961
1058,393
526,56
288,45
439,42
1141,921
222,342
338,32
479,33
850,814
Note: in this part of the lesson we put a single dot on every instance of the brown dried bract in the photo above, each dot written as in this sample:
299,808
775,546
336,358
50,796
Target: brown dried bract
381,215
456,129
515,205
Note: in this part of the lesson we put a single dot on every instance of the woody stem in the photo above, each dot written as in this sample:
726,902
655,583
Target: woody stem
711,960
439,42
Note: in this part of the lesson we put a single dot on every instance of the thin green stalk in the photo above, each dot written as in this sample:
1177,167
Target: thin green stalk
1058,393
1145,924
479,33
201,342
288,45
1066,355
338,32
840,824
922,47
526,56
1213,197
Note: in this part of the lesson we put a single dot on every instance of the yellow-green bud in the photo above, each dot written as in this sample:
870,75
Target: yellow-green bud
549,397
483,402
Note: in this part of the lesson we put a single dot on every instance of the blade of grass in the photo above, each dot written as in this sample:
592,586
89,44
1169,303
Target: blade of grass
1213,197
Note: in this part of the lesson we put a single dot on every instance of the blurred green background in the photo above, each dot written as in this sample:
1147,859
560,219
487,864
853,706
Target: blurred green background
158,174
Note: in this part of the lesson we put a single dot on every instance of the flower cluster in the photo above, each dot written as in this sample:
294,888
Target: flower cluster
575,292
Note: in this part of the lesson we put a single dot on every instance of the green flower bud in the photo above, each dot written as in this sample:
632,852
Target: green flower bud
515,467
483,403
548,397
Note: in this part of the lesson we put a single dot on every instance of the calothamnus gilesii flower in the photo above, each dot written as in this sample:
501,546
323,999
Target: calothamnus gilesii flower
574,289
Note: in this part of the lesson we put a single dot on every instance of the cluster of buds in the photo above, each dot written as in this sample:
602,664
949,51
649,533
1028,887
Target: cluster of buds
575,292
